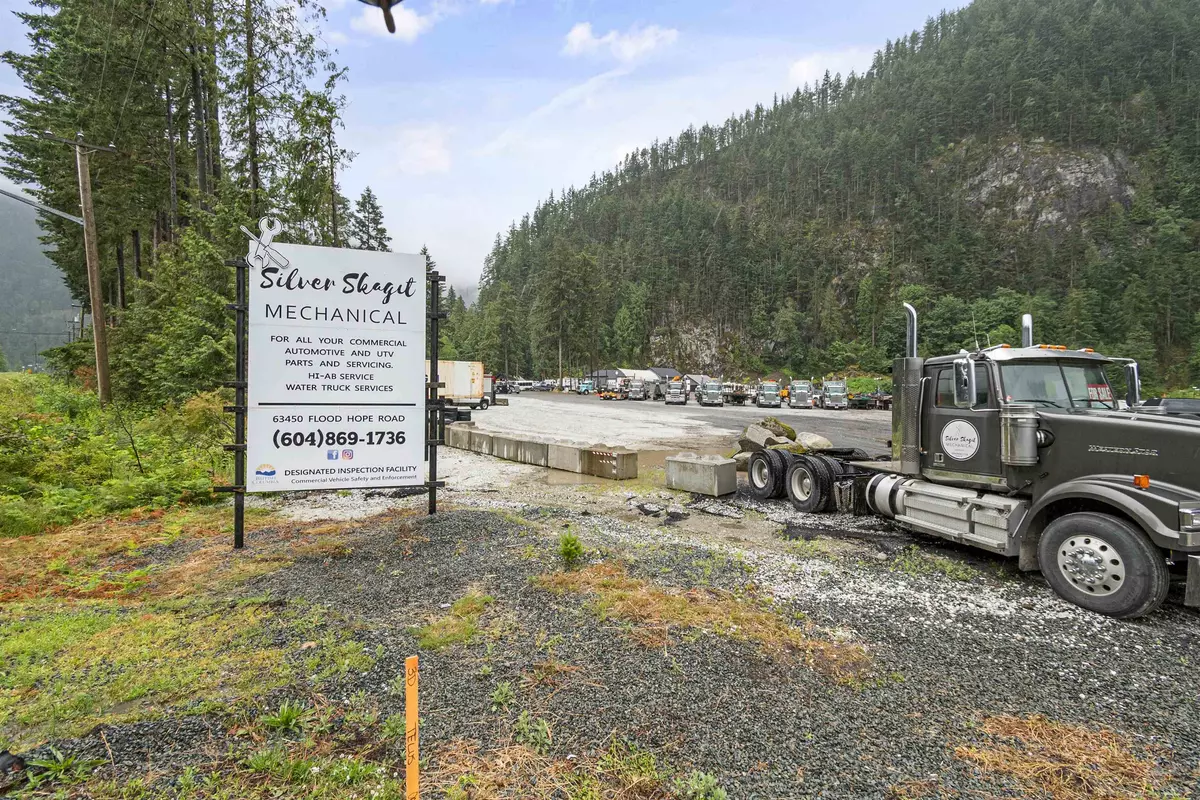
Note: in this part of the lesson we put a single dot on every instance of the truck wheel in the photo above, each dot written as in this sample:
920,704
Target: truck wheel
760,472
1104,564
779,468
833,471
483,404
804,486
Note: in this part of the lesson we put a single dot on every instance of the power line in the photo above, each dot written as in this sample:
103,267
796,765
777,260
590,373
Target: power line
136,62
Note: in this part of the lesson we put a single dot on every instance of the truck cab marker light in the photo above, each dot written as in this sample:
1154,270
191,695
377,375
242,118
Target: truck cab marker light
1141,481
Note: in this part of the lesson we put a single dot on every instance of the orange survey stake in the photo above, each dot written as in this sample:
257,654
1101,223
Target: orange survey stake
412,738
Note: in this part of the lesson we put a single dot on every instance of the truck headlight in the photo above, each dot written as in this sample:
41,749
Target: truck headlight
1189,519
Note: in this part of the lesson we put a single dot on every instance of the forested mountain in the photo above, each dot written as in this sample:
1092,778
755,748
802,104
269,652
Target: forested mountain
219,110
1017,155
33,298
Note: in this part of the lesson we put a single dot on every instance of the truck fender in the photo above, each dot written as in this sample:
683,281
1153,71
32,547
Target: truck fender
1104,490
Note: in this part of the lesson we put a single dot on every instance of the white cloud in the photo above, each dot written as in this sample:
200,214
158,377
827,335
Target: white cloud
409,24
333,5
811,68
337,37
421,150
494,2
624,47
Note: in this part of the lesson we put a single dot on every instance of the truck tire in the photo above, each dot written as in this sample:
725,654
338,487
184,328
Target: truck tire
779,468
484,403
829,470
804,486
1104,564
760,471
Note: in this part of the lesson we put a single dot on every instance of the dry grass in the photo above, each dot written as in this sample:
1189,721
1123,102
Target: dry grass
461,771
657,610
1065,762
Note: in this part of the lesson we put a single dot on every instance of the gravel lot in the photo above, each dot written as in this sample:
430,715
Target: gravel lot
955,636
654,424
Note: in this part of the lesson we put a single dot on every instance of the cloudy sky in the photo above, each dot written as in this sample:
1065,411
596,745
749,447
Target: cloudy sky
476,109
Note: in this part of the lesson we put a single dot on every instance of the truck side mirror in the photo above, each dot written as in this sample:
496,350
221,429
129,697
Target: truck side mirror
1133,384
964,383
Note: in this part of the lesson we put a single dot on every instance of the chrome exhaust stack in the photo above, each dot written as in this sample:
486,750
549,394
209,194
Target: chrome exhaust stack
1027,330
910,334
906,401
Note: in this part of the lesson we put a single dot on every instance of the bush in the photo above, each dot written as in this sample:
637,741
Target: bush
63,458
570,549
700,786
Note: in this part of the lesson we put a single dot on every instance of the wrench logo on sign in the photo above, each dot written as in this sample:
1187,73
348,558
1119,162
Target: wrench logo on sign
260,251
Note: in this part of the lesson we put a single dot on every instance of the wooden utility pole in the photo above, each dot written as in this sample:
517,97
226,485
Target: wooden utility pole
92,251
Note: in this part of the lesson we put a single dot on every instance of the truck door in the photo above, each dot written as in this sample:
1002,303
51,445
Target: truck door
960,443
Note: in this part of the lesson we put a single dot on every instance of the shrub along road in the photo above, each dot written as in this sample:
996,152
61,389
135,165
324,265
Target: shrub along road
599,641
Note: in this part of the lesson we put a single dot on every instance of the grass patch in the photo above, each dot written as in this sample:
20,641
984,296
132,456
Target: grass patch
1065,762
657,610
457,627
913,561
68,670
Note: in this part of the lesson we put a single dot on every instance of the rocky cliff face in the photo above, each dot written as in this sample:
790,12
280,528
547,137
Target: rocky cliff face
1051,188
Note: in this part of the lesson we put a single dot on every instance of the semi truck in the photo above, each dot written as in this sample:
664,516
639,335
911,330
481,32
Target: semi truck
1024,452
800,394
711,394
833,394
677,393
767,395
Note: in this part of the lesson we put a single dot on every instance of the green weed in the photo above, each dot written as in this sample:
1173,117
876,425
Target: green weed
570,550
457,627
699,786
532,732
502,696
913,561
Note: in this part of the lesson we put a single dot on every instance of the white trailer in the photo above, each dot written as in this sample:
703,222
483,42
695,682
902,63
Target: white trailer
464,383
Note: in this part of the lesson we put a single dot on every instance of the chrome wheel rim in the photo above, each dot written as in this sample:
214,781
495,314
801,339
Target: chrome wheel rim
758,473
801,484
1092,565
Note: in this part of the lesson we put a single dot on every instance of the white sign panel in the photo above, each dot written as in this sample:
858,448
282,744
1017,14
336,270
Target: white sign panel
960,440
336,368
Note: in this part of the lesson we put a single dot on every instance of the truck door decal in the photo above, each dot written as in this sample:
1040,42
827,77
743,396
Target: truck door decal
960,439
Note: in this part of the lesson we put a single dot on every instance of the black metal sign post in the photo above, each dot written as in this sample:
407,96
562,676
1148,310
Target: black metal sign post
433,398
238,409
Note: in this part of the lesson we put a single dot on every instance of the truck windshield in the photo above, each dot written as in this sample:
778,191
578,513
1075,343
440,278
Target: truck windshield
836,388
1054,384
770,389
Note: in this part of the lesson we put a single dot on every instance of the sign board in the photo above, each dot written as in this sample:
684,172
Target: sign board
960,440
336,367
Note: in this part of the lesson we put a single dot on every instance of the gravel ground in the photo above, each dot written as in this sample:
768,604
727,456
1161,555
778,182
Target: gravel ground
654,424
955,636
949,651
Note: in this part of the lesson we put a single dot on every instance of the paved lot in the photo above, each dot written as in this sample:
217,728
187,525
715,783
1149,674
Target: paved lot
653,424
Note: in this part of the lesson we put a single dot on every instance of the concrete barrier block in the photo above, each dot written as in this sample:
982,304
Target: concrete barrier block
506,447
501,401
567,457
616,463
710,475
480,442
532,451
458,435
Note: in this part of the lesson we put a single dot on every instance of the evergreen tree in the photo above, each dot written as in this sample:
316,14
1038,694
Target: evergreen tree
366,226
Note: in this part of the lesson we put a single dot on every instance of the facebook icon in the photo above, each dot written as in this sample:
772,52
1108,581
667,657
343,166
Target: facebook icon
332,455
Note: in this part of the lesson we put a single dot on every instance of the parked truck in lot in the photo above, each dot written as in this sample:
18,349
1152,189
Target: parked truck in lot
800,394
767,395
465,383
677,393
833,395
711,394
1024,452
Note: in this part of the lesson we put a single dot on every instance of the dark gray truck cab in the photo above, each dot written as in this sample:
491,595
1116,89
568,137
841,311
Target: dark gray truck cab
1024,451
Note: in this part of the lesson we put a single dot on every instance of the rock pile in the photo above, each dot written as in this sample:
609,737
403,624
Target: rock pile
770,433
